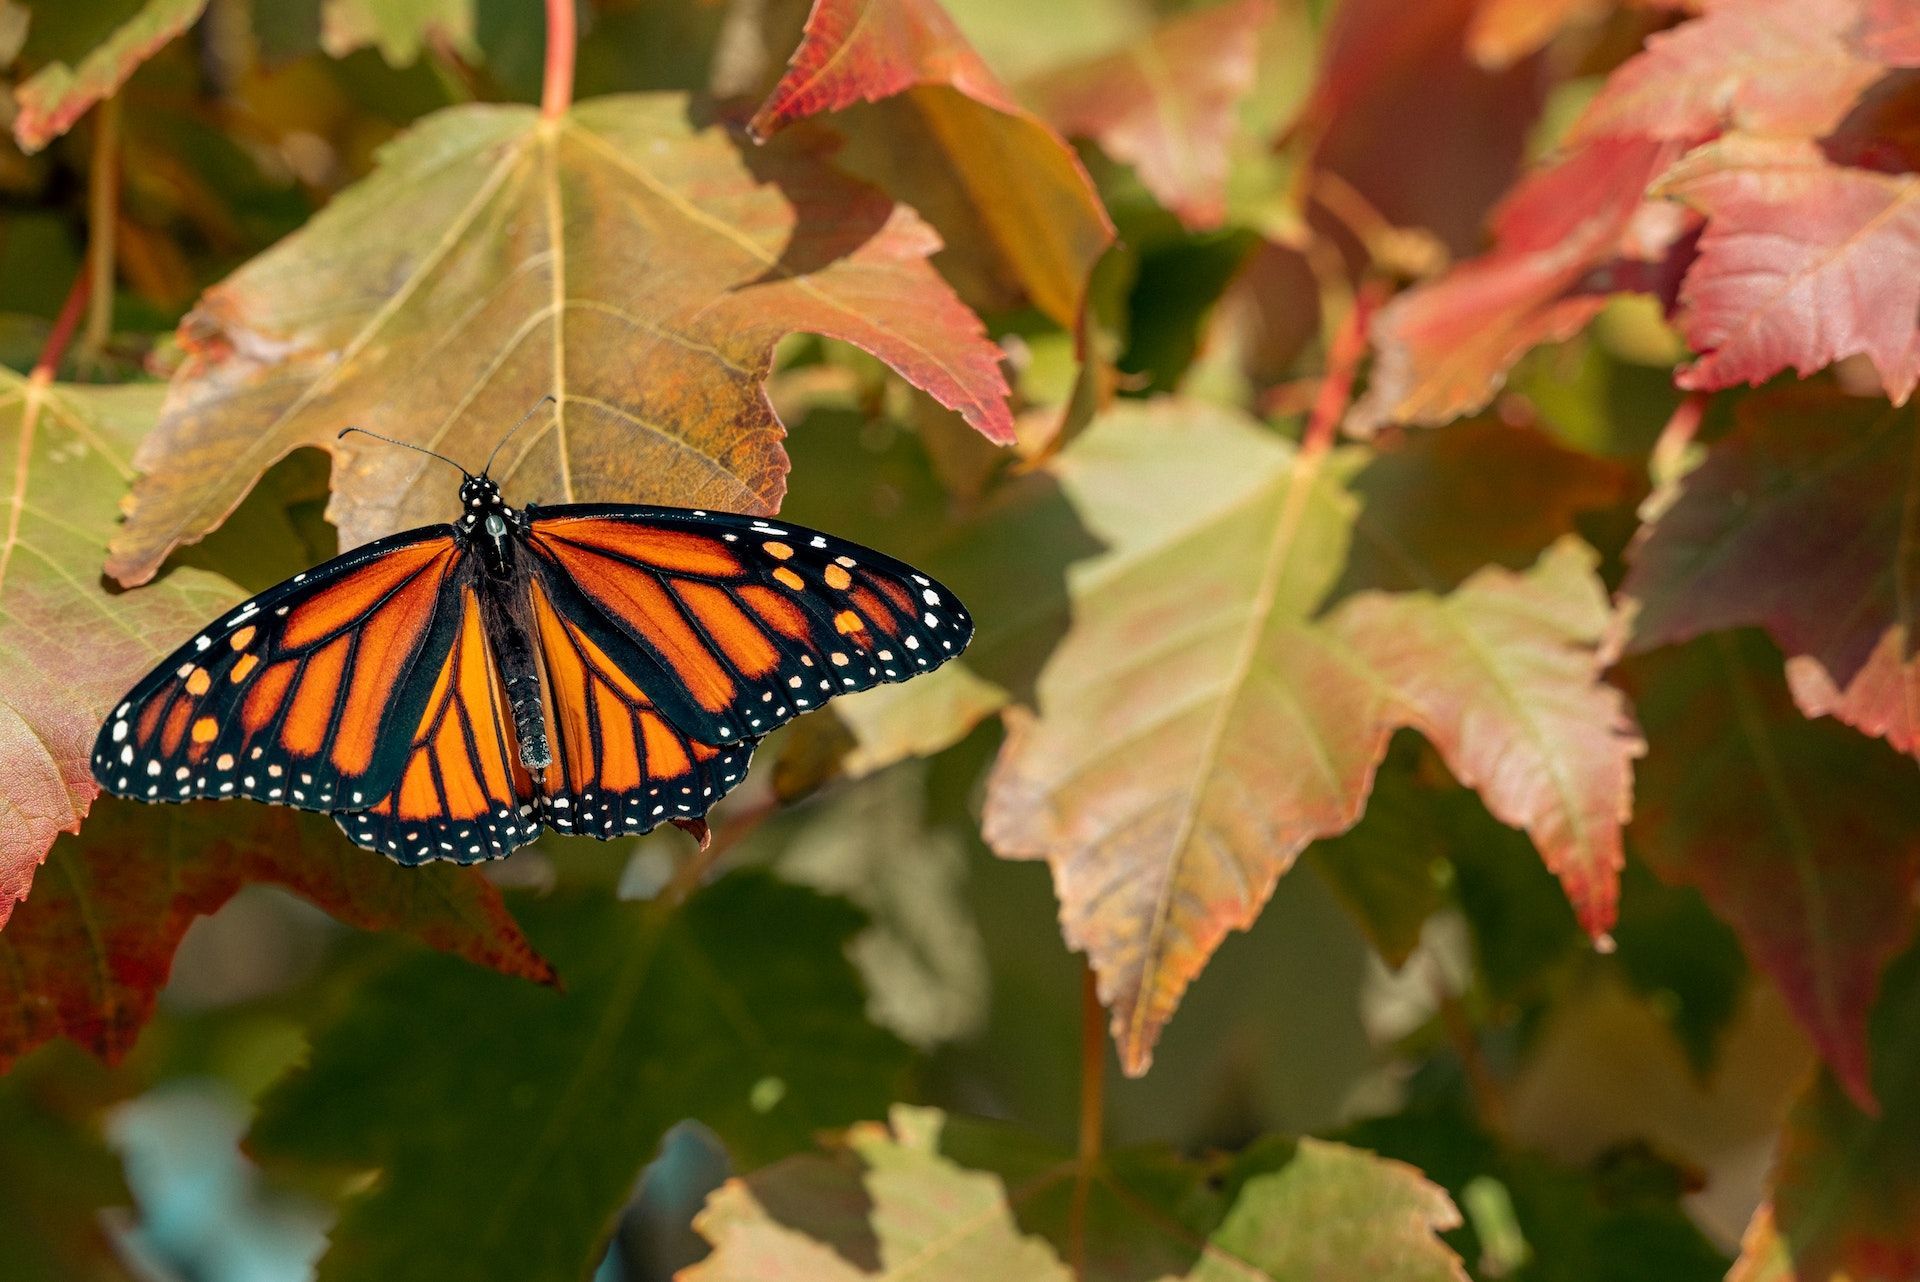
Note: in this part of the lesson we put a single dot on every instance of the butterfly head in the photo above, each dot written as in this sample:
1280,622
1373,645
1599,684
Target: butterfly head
480,495
482,508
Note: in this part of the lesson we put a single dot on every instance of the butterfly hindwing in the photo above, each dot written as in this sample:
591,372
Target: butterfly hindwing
302,696
619,767
462,794
755,621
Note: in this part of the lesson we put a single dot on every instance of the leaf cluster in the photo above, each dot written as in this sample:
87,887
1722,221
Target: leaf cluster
1436,485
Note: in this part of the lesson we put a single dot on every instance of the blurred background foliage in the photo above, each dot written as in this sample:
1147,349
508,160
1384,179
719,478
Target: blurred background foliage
1419,987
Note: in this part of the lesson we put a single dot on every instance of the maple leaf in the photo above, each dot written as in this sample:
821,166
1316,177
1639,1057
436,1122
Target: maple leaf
399,30
1504,31
1890,33
1554,1219
68,646
942,1198
632,264
1845,1198
961,149
917,723
1390,72
1166,104
57,95
738,1009
866,50
1788,67
1800,834
1801,521
1803,262
87,955
1229,682
1564,241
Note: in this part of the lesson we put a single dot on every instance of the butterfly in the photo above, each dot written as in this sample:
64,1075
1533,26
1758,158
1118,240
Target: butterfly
597,668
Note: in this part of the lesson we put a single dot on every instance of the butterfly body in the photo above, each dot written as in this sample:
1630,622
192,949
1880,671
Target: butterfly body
450,692
494,529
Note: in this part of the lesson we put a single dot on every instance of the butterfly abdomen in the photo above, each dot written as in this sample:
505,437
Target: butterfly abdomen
504,611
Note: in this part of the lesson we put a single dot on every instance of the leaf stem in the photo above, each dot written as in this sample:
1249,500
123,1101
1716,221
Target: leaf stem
1349,345
556,89
61,335
1670,449
103,212
1488,1099
1093,1108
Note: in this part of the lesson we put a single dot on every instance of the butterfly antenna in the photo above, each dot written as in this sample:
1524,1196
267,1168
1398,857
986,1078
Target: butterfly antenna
405,445
544,400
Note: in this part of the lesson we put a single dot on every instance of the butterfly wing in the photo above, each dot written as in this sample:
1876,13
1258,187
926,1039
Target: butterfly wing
734,625
462,793
669,641
619,767
301,696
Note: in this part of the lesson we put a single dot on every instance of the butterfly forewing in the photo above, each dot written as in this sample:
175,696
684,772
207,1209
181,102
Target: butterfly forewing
754,622
303,696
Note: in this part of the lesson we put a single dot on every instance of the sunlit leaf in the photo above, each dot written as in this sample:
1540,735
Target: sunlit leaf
507,1122
1770,66
919,719
1505,31
1799,521
1617,1218
1565,239
86,955
1804,261
886,1205
398,28
59,94
1235,665
1802,835
958,146
633,264
1166,104
68,646
866,50
1890,33
1846,1185
935,1198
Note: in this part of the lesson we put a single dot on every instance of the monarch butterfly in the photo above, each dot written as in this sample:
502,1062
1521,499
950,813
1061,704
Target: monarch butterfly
599,668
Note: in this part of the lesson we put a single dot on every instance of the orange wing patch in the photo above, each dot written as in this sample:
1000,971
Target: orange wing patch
777,612
354,596
310,712
293,697
765,622
462,795
641,602
619,767
741,638
667,550
377,668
